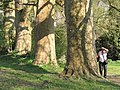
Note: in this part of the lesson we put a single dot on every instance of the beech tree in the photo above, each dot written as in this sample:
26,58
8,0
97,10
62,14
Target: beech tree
81,55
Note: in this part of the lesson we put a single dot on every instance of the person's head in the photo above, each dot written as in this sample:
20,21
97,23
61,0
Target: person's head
103,48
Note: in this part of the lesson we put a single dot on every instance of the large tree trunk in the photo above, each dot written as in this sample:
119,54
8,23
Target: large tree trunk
8,28
23,28
44,34
81,59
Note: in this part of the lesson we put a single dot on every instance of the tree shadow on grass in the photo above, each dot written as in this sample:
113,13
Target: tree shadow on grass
18,63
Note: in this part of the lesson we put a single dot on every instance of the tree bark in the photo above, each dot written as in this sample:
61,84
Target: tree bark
81,59
8,28
23,28
44,34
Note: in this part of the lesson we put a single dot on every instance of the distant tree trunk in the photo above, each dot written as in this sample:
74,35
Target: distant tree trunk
23,28
44,34
81,59
8,28
60,2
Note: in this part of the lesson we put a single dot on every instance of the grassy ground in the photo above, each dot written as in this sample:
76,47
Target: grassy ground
114,67
18,73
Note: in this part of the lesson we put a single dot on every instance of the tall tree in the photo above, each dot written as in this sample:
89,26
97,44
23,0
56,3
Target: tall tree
81,55
44,33
23,28
8,28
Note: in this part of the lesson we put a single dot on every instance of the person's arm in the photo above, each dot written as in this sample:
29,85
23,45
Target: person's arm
106,50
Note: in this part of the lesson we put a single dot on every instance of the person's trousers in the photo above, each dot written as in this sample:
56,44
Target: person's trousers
103,66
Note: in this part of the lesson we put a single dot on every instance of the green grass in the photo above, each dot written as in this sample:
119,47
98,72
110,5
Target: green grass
17,73
114,67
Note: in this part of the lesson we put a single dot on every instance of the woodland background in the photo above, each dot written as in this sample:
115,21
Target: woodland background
106,26
42,41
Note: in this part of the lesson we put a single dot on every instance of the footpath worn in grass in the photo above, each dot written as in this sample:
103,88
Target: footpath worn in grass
18,73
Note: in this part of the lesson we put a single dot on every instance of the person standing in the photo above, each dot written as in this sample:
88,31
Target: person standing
102,54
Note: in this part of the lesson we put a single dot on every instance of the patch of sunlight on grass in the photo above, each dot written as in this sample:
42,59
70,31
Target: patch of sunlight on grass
114,67
53,69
